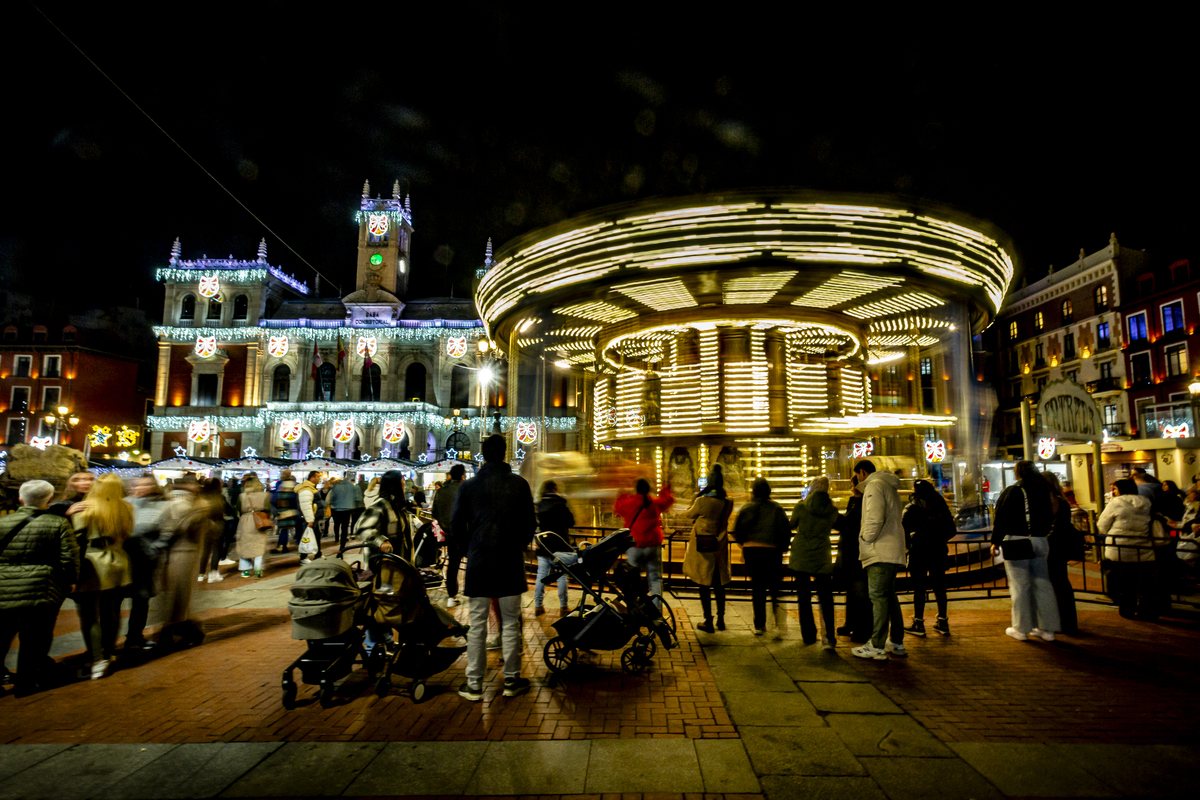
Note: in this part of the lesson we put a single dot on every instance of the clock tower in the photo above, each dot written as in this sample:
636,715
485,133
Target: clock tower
384,241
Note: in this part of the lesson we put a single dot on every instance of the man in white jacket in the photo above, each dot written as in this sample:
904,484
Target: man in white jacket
306,492
881,550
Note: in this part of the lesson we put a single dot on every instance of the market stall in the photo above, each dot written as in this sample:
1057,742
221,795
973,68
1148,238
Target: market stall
113,466
428,474
267,469
178,467
331,467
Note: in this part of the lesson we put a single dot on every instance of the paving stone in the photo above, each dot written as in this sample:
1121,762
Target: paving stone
798,751
828,667
81,772
752,678
725,767
1136,770
636,766
725,655
16,757
904,778
532,767
886,735
1030,770
807,787
419,768
192,770
771,709
854,698
307,769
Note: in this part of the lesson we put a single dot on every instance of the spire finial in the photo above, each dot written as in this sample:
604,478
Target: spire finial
396,190
366,188
408,206
1051,270
1082,254
176,251
487,254
262,249
1112,240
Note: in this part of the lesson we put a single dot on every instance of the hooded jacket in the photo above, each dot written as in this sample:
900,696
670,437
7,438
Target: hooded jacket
493,523
813,519
881,537
644,519
306,492
1126,521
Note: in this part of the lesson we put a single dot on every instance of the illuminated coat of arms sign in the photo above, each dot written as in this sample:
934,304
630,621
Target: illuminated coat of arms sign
1179,431
377,224
343,430
1045,448
611,417
206,346
209,287
393,430
526,432
634,418
935,451
199,431
41,442
278,346
863,449
366,346
289,430
456,346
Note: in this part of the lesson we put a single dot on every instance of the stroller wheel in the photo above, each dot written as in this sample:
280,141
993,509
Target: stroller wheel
633,661
289,695
559,655
646,646
382,686
417,691
326,695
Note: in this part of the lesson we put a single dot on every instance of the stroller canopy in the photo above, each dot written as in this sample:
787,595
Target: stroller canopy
324,599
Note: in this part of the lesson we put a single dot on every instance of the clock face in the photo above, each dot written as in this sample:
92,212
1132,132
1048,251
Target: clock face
376,259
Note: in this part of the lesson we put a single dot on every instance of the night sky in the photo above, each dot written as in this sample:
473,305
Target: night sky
499,123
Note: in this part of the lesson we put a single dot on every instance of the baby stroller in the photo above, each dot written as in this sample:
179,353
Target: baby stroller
327,607
606,624
399,600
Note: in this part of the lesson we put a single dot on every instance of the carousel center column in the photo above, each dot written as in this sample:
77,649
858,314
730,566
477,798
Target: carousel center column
510,391
777,401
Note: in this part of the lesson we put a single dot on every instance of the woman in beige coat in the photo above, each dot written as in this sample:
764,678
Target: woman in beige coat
103,525
707,558
252,542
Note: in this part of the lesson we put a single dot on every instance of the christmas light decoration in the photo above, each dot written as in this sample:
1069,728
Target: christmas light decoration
366,346
99,436
404,330
41,442
343,430
206,346
1179,431
210,286
249,452
294,413
126,436
456,346
290,430
519,455
863,449
277,346
422,458
199,431
318,453
1046,447
393,430
179,450
935,451
479,458
377,224
526,432
385,452
365,457
376,259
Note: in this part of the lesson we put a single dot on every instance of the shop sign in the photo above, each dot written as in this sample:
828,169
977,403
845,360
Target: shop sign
1114,447
1067,412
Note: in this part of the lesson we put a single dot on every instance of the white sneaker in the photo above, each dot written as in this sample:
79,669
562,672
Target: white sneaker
1045,636
1016,634
226,562
200,579
451,602
869,650
215,577
895,649
100,669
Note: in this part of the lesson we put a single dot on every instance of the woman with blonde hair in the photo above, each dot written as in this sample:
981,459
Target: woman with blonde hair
102,527
251,538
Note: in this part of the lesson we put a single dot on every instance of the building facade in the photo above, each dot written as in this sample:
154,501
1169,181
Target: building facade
250,359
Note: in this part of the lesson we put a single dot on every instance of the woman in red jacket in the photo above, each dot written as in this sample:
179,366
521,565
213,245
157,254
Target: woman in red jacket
641,513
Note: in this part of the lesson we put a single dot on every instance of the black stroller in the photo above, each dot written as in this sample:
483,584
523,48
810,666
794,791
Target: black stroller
606,624
399,600
327,610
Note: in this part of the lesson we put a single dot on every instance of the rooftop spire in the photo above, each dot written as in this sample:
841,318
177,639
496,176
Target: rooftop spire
396,190
176,251
1112,240
487,254
366,188
262,249
408,206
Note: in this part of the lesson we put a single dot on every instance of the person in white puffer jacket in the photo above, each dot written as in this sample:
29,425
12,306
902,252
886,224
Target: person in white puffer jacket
881,550
1129,567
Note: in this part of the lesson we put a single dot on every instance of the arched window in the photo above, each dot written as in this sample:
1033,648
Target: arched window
281,384
1068,312
187,309
214,309
414,383
326,383
1101,296
241,307
371,378
460,387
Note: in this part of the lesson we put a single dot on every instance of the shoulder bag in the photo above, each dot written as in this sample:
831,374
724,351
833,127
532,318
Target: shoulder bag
1019,549
262,520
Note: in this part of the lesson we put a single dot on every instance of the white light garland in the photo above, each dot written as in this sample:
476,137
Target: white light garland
427,419
180,450
252,333
249,452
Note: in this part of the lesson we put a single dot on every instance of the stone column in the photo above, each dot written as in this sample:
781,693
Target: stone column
302,387
164,373
250,394
833,373
777,400
514,371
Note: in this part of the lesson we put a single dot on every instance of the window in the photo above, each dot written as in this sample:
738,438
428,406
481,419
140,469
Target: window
10,333
241,307
1014,389
1141,369
1013,365
371,378
16,430
1071,376
926,366
206,390
1012,331
1177,360
1137,327
19,400
52,367
1172,316
1101,297
187,309
1102,339
1039,354
1068,312
414,383
1068,347
460,387
281,383
1110,415
214,309
326,382
39,333
1106,369
50,398
1041,382
1039,321
21,366
68,334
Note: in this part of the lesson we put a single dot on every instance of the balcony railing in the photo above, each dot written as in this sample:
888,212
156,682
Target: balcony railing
1105,385
1115,429
1167,418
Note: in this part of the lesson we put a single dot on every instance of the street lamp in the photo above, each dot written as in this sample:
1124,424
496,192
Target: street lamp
1194,388
64,421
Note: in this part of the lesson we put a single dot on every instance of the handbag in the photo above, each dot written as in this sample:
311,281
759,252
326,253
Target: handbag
1019,549
262,520
706,543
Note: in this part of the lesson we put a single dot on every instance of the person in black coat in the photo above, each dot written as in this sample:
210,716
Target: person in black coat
928,526
493,523
554,516
850,572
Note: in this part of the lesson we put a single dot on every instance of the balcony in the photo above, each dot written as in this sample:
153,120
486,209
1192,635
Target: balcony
1105,385
1114,429
1166,419
1103,344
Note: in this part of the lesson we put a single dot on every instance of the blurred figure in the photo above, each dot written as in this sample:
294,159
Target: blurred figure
881,551
213,501
812,561
343,499
370,495
103,526
254,526
443,514
287,511
76,489
1066,545
1129,567
39,564
183,525
361,505
233,492
928,527
1172,501
706,560
642,514
1025,513
145,548
763,532
850,571
554,516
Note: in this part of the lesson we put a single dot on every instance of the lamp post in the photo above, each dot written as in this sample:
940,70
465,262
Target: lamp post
63,421
1194,389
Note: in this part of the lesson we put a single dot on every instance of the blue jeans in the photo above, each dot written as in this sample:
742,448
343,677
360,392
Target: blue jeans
245,564
539,588
881,587
376,633
651,559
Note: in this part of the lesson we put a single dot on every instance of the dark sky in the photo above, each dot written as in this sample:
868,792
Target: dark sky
498,123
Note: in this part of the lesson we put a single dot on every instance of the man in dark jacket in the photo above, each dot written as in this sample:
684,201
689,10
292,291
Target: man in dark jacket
343,499
554,516
39,564
443,512
492,524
